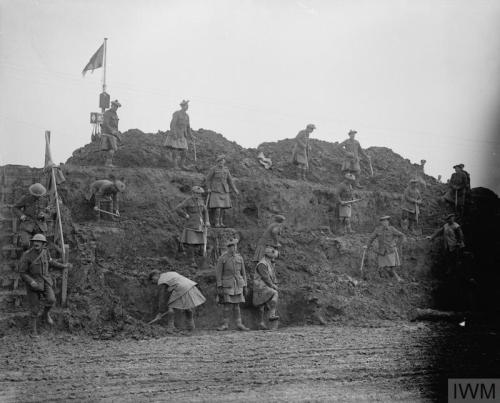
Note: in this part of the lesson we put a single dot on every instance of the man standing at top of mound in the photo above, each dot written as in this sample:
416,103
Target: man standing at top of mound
110,136
219,184
300,154
387,250
457,190
352,150
177,139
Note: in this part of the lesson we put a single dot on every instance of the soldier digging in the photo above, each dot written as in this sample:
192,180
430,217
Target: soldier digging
352,150
410,207
110,136
231,282
346,200
219,184
177,139
34,268
270,237
265,286
300,153
387,251
105,191
176,292
31,212
194,210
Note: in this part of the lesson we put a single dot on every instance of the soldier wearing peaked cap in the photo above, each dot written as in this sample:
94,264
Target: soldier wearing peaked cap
110,136
34,268
387,251
301,150
194,210
231,282
353,151
31,211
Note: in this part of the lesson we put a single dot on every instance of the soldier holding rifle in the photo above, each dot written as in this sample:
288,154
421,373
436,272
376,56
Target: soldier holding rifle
346,200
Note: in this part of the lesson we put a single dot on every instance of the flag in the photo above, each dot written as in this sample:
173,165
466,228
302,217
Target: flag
48,154
96,61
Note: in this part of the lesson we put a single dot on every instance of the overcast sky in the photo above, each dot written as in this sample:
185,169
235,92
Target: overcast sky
421,77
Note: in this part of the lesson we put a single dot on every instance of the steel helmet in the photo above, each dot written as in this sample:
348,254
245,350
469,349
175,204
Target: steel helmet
39,237
37,189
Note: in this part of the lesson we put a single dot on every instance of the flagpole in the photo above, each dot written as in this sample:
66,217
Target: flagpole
104,68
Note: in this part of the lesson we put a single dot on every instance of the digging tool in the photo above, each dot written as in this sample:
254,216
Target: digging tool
456,200
371,168
106,212
417,212
157,318
351,201
362,261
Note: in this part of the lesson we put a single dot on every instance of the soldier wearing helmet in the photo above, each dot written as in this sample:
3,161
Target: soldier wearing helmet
34,268
31,210
301,150
265,287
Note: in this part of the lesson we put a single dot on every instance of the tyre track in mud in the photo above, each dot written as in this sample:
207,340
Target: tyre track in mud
396,362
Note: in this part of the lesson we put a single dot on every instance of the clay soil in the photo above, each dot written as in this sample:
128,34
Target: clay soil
384,361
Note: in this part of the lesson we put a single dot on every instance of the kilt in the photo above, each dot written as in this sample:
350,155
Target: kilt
389,259
108,142
262,293
189,300
176,141
345,211
219,200
350,164
299,156
192,237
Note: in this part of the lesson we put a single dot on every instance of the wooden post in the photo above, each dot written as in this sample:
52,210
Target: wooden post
64,284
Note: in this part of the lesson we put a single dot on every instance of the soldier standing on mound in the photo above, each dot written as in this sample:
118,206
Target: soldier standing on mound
352,150
176,141
110,136
300,154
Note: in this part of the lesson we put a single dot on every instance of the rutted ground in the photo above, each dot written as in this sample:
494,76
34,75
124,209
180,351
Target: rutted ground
391,361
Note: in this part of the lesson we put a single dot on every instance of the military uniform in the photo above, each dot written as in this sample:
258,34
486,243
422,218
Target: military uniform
109,130
269,238
300,151
33,207
34,266
345,192
410,205
351,161
106,190
179,130
264,282
458,186
193,233
453,240
219,182
231,276
387,248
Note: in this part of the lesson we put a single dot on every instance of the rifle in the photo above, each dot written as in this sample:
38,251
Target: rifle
417,211
350,201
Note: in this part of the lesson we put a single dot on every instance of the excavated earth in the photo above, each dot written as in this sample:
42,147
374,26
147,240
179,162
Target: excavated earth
102,348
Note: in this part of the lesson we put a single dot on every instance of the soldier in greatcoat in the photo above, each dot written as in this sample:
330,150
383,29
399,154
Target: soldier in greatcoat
231,282
265,286
453,240
410,206
346,200
177,139
195,229
387,251
219,184
270,237
457,190
300,153
31,211
110,136
34,269
176,292
353,151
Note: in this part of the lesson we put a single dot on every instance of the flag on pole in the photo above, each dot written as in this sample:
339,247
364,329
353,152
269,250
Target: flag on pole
48,154
96,61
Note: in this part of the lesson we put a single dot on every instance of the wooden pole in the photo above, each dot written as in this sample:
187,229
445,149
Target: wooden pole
104,65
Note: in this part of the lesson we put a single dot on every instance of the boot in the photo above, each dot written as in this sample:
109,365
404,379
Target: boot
170,322
221,220
49,320
304,173
217,218
262,324
225,321
239,323
189,320
349,229
181,163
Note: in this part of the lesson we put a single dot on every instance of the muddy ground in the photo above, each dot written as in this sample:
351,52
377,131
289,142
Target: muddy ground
381,361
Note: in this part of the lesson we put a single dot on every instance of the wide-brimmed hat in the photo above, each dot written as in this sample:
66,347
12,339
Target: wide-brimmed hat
310,126
39,237
279,218
184,102
350,176
456,166
413,180
232,241
197,189
220,157
384,217
269,251
461,166
352,132
37,189
116,102
450,215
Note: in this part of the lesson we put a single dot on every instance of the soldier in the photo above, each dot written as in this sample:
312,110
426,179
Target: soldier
231,284
110,135
194,233
387,251
467,186
300,154
352,150
106,190
34,269
453,238
31,212
180,130
456,192
219,183
176,292
265,287
410,206
346,200
269,238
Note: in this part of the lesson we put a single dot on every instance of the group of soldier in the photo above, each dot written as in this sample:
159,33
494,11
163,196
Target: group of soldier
179,292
